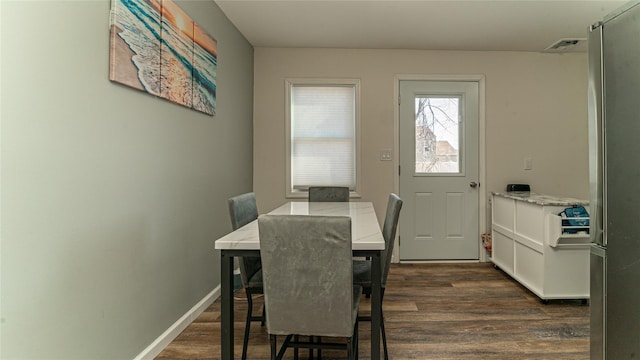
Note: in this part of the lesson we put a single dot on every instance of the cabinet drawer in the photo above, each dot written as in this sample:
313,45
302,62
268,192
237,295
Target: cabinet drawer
503,212
530,222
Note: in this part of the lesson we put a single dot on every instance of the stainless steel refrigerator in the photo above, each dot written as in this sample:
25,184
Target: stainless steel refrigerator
614,152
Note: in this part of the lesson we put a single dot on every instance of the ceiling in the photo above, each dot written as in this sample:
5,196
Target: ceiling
479,25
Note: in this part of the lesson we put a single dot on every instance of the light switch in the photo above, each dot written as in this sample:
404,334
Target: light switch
385,155
528,163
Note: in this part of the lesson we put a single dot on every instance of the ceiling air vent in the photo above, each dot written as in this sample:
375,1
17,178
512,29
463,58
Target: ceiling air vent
568,45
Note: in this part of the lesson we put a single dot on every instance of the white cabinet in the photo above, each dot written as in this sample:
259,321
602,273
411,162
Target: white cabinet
529,244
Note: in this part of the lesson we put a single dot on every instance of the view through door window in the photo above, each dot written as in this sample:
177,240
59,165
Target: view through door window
437,135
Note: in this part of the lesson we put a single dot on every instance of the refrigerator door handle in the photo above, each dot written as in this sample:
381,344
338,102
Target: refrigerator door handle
596,136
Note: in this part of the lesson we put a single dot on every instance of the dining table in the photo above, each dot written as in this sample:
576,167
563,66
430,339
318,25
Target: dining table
366,241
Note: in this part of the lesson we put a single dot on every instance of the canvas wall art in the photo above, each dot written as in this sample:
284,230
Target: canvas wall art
157,48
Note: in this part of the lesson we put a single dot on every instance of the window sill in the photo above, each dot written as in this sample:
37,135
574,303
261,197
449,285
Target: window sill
305,195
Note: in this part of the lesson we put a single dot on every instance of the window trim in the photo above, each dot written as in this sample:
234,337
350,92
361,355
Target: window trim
290,193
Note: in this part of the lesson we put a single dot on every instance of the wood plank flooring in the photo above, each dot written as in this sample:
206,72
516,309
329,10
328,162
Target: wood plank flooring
432,311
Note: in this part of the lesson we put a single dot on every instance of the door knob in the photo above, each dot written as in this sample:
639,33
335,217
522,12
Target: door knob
473,184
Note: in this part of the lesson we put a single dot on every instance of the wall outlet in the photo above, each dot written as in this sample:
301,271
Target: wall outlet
385,155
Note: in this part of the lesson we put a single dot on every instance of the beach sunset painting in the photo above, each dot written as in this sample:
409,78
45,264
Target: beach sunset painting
157,48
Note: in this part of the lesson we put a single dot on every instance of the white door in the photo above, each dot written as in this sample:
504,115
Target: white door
439,170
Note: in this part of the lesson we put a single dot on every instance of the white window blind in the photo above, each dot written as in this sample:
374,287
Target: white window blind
323,135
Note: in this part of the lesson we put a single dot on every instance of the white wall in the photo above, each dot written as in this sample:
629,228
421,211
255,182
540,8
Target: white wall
535,107
110,198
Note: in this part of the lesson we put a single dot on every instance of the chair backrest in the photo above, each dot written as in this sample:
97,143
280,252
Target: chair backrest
243,210
307,274
394,204
328,194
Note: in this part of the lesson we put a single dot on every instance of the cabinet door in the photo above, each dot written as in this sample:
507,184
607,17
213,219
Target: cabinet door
529,269
502,251
502,224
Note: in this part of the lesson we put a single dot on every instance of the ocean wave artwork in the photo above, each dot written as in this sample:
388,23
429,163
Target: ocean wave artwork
157,48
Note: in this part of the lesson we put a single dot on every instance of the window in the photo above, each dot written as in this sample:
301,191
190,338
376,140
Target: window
322,134
438,133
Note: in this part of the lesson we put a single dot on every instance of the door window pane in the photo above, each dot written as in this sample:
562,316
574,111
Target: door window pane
437,135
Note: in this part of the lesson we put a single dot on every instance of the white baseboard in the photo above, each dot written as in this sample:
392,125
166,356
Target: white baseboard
174,330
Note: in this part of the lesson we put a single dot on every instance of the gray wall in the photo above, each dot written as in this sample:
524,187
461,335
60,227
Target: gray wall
111,199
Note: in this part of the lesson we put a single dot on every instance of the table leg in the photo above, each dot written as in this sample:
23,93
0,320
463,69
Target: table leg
226,271
376,306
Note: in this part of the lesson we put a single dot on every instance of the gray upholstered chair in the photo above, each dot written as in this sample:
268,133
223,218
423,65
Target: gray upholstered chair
243,210
309,295
362,269
328,194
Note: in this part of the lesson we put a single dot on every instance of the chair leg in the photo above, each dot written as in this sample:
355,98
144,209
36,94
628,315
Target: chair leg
296,350
272,340
384,338
350,348
264,316
283,349
356,341
367,293
247,326
384,334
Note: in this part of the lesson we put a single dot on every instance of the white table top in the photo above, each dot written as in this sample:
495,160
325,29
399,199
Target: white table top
365,230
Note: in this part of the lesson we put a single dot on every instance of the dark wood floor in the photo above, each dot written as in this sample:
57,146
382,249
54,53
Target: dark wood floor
433,311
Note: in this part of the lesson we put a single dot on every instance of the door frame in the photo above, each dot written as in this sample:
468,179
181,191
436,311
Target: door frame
482,195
